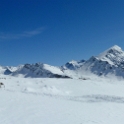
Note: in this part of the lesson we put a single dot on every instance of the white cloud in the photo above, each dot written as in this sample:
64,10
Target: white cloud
23,34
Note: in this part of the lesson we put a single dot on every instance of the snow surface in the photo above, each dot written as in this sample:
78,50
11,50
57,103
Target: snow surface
53,69
61,101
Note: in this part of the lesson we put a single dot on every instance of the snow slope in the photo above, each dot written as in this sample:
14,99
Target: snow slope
39,70
63,101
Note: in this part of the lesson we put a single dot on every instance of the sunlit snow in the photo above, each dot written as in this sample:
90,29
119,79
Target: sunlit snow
63,101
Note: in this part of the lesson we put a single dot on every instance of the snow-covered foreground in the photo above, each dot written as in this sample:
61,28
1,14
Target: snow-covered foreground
61,101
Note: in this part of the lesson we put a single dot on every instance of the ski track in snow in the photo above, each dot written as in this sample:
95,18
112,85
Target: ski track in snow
86,98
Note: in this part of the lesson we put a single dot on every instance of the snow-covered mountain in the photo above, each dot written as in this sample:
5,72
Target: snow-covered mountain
73,65
39,70
114,56
110,62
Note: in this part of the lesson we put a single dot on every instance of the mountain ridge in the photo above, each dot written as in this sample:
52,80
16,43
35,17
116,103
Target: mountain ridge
111,61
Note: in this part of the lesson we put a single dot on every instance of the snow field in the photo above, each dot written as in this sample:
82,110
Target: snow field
63,101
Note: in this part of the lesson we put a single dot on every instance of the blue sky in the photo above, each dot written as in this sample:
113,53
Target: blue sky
57,31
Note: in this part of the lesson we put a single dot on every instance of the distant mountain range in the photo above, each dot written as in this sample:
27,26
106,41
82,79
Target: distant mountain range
110,62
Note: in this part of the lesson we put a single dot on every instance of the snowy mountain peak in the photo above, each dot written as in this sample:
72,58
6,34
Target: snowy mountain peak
73,62
73,65
113,55
110,62
116,47
113,50
39,70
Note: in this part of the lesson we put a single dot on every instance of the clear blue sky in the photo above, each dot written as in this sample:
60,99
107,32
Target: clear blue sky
57,31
